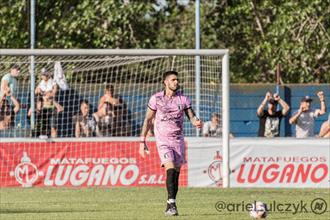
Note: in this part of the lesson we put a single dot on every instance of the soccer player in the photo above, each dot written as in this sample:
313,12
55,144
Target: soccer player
167,109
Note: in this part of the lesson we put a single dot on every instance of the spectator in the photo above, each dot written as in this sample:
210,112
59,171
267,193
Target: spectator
304,118
105,120
47,84
213,128
9,81
325,128
47,110
7,113
109,97
84,123
270,119
121,120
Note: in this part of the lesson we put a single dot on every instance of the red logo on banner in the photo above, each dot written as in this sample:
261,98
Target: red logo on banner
26,173
214,170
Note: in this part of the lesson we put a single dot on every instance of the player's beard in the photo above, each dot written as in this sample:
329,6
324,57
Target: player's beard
174,88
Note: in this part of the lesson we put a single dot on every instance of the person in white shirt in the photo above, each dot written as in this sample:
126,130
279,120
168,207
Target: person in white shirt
213,128
46,84
304,118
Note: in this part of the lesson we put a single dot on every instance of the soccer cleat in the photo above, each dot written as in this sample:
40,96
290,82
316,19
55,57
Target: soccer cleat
171,210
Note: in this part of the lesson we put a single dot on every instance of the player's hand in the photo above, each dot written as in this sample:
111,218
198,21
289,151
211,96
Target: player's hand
143,149
277,97
320,94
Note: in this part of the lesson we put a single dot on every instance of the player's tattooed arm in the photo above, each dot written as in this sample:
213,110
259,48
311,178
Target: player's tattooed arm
193,118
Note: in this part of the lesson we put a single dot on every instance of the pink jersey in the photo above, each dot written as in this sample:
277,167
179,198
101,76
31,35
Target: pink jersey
169,115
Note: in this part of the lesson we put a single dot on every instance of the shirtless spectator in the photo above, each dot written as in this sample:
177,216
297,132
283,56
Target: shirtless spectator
47,84
121,122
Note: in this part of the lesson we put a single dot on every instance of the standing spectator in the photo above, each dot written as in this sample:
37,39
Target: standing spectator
84,123
304,118
9,81
7,112
47,110
325,128
47,84
270,119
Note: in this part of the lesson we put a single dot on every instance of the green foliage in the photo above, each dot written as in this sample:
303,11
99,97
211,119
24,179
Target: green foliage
262,34
259,34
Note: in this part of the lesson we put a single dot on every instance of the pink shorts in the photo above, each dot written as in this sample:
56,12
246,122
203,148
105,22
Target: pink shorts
172,151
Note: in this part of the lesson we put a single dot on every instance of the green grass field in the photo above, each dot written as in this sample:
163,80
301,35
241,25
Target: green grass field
149,203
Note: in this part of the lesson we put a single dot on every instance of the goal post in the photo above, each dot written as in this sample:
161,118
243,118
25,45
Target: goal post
123,68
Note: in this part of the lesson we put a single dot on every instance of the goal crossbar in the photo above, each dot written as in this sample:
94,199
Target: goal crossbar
126,52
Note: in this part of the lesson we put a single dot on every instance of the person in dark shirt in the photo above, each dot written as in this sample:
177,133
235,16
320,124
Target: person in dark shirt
85,124
270,119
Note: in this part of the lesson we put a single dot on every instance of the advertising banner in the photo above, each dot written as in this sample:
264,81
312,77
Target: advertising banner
80,164
258,162
254,162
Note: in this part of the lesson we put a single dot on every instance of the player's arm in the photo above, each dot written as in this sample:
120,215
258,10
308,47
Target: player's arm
193,118
147,124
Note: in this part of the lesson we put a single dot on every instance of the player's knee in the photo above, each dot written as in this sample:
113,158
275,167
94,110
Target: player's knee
169,165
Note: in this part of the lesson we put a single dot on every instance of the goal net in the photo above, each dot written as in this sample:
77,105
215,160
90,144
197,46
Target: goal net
55,92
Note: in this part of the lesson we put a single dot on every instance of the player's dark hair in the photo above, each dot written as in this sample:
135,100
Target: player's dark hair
168,73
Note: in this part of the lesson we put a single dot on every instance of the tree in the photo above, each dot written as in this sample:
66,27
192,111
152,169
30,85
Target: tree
259,34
